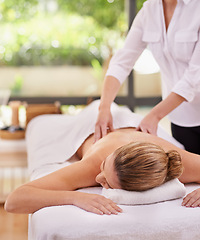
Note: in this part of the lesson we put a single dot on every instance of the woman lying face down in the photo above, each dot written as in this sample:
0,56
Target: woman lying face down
139,166
125,159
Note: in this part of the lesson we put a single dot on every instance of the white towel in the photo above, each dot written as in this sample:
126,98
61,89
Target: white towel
170,190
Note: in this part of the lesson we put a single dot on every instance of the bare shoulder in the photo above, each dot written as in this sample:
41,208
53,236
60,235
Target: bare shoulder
108,144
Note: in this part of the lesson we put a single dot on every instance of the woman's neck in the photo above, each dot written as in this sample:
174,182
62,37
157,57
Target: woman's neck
170,2
168,8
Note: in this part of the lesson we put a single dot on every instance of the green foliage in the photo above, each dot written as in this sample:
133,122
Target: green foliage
17,85
17,10
57,39
98,74
76,33
64,41
105,12
140,3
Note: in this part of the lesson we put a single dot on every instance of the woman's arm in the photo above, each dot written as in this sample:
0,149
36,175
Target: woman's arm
57,189
28,199
120,67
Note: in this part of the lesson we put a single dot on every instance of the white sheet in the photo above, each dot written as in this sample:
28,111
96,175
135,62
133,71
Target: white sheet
49,148
161,221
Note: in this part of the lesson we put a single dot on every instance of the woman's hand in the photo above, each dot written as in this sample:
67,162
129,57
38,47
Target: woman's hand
192,199
103,123
149,124
95,203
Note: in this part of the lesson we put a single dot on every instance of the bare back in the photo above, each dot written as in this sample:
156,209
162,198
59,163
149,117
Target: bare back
120,137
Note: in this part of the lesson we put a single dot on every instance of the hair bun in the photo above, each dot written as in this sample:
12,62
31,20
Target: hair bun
175,167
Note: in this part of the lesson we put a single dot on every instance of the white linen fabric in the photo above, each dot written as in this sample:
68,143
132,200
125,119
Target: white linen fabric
170,190
160,221
176,51
49,148
63,134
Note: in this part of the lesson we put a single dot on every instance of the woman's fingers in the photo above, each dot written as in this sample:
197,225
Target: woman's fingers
110,126
149,124
100,131
103,130
196,203
107,206
192,199
147,129
94,210
117,208
97,133
138,129
96,204
101,210
103,123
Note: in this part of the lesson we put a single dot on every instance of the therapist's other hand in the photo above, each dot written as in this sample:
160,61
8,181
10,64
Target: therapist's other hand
103,124
149,124
192,199
96,204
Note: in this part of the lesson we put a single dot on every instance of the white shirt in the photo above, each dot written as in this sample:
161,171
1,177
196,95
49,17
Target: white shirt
177,52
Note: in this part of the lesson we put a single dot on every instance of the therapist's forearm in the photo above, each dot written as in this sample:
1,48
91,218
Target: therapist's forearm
167,105
110,89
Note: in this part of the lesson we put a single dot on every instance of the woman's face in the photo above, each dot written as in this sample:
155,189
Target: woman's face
108,176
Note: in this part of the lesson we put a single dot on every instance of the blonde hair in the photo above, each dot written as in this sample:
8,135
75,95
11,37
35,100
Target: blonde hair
141,166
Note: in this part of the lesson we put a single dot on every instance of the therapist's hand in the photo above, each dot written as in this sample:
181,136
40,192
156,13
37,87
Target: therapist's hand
192,199
149,124
103,124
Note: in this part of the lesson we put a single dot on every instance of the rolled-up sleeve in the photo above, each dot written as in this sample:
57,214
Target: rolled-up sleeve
189,84
123,61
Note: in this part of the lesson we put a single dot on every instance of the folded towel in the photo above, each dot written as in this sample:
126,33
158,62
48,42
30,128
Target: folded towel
170,190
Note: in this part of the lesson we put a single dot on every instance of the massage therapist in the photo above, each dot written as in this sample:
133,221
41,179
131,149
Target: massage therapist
171,30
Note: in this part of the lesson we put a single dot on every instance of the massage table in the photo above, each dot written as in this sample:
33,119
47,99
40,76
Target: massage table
52,141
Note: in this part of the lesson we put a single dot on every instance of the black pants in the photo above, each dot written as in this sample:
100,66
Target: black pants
188,136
